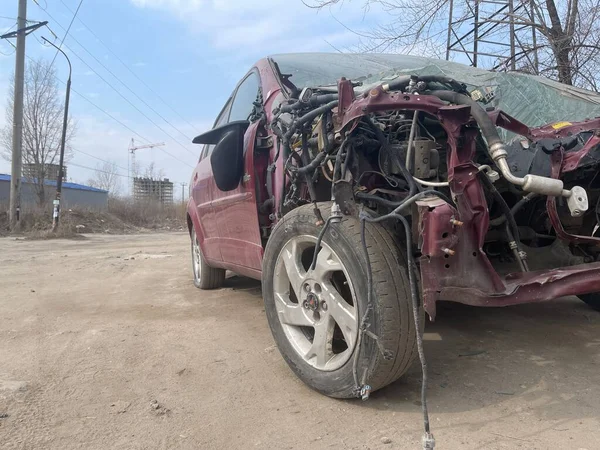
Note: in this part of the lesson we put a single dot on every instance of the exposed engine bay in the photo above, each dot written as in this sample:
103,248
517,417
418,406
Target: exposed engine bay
511,207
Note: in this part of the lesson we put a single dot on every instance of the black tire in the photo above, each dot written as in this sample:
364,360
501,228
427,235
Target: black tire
205,277
592,300
391,319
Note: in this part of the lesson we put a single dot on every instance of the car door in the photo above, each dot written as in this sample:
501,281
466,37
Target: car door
203,191
236,210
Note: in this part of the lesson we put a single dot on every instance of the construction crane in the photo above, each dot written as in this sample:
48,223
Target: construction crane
132,170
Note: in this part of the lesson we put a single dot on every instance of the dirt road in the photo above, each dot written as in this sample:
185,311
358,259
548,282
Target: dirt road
106,344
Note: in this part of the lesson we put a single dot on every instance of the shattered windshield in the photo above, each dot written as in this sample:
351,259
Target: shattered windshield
533,100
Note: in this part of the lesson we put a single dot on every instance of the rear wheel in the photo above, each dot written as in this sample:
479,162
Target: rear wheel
315,315
205,277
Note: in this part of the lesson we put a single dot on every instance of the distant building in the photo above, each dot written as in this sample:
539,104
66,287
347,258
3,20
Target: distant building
145,189
73,194
51,171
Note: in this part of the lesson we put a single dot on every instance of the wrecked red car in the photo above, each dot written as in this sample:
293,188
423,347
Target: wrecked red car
363,189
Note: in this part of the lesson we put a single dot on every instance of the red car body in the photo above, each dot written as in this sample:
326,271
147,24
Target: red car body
228,224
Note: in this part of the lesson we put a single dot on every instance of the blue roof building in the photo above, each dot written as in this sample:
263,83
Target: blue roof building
73,194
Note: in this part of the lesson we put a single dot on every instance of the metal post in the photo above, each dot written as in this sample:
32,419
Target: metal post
451,12
183,185
511,12
17,137
536,64
476,34
59,180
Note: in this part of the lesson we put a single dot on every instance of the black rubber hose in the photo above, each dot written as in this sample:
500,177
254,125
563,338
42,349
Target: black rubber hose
324,122
317,100
503,205
309,117
414,294
374,198
318,243
368,309
412,187
290,107
409,201
516,207
338,158
305,156
347,161
399,83
512,234
282,199
311,166
459,87
487,127
393,204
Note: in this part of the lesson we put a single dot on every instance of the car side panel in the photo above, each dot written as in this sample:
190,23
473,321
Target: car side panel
203,186
237,215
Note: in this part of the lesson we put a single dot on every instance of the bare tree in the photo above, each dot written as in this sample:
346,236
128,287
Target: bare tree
42,125
568,32
107,177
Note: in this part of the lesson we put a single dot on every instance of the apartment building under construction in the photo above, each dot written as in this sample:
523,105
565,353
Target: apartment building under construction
149,189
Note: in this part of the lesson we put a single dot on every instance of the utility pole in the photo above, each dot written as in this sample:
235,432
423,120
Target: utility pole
17,137
59,180
183,185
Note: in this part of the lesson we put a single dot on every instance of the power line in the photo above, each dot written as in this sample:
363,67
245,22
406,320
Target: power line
99,159
66,32
130,90
114,118
135,107
110,173
127,67
126,87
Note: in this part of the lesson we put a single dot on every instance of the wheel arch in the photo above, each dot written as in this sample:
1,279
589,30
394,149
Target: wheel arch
193,223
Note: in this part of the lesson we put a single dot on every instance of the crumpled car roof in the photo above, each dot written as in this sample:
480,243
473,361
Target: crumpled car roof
531,99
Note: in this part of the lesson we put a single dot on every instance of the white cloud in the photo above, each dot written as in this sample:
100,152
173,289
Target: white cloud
261,26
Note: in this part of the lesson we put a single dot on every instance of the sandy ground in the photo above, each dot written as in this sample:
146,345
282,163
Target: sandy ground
106,344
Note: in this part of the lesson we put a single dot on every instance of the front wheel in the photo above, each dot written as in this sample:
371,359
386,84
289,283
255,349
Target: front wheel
315,315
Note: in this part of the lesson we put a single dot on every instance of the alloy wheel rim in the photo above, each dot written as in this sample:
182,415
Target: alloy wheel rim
196,258
316,308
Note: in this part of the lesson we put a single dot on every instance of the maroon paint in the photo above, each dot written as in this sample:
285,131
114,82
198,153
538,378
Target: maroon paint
227,223
557,161
378,100
503,120
453,266
548,131
464,274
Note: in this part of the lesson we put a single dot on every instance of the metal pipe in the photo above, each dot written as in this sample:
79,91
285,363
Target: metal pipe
411,138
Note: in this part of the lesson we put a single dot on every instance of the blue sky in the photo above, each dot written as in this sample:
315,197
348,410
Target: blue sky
189,52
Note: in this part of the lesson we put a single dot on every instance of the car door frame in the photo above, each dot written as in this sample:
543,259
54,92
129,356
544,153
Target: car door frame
200,204
237,210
